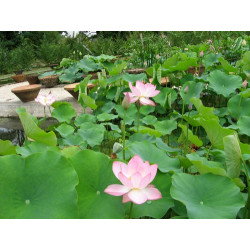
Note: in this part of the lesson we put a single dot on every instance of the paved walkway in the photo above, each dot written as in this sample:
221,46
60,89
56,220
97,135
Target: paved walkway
10,102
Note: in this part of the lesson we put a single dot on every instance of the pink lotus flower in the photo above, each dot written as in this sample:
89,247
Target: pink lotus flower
201,53
46,100
157,57
126,101
244,84
186,89
135,177
142,92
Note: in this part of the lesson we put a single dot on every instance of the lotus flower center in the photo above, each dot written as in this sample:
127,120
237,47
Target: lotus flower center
45,99
27,202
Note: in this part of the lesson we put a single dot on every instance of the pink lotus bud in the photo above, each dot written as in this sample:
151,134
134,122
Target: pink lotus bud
157,57
145,63
201,53
190,106
186,49
186,90
244,84
209,41
126,101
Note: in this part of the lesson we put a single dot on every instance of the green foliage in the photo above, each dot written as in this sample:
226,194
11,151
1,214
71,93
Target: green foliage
207,196
40,186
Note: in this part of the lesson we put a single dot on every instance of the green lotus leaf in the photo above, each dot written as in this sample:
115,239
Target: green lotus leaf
204,166
158,208
95,174
210,59
92,133
239,106
188,134
166,126
87,65
226,66
244,125
194,90
216,132
106,117
35,147
224,84
147,109
164,96
82,118
41,186
64,130
33,131
131,113
134,77
63,111
149,120
70,151
207,196
233,155
7,148
88,101
147,130
149,152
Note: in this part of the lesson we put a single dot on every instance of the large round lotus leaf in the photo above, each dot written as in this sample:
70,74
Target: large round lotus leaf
204,166
158,208
194,90
239,106
224,84
63,111
244,125
149,152
95,174
7,148
207,196
166,126
41,186
149,120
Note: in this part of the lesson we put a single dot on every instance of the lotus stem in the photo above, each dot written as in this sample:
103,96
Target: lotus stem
138,117
130,211
123,134
247,207
45,118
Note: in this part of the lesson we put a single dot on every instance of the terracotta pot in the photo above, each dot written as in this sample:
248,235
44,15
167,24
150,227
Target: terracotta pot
18,72
27,93
19,78
70,88
136,71
32,79
191,70
50,81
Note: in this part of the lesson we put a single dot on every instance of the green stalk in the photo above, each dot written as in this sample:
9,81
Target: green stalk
138,116
45,118
248,189
123,134
130,211
186,141
183,107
